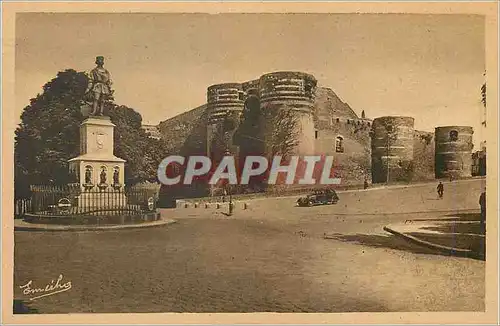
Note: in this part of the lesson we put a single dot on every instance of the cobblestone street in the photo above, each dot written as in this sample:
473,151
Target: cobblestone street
271,257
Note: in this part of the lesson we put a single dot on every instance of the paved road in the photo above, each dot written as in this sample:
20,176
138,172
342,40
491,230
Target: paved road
271,257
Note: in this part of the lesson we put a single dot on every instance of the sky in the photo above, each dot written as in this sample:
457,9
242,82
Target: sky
429,67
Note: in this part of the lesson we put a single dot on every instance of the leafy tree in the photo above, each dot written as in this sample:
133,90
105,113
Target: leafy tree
483,94
143,154
483,99
48,136
249,133
223,137
427,138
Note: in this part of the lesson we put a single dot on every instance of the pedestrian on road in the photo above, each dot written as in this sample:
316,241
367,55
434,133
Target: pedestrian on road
482,203
440,189
365,184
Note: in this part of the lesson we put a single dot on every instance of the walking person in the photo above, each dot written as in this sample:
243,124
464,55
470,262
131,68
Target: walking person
440,189
482,203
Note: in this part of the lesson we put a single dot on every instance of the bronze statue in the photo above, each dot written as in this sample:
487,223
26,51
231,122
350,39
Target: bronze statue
88,176
103,176
99,88
116,177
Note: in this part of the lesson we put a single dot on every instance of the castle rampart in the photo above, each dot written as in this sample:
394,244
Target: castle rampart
453,151
385,149
392,148
222,98
293,89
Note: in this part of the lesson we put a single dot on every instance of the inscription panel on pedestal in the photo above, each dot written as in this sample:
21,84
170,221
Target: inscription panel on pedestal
100,140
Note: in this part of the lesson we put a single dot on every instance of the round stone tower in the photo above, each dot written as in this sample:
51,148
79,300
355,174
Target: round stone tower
453,151
392,149
292,91
222,100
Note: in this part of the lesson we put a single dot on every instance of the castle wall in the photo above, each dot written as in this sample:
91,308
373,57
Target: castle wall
251,87
292,91
186,132
479,163
327,104
323,118
392,151
453,151
423,155
352,159
222,99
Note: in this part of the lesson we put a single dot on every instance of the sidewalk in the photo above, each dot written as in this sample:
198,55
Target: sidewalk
451,236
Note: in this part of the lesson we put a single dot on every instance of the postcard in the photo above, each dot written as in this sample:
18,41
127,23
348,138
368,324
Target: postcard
228,163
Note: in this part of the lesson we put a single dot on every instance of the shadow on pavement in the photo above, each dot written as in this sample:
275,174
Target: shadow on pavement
474,244
462,228
466,216
382,241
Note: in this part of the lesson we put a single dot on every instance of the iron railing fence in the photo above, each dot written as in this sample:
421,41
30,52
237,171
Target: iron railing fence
99,200
21,207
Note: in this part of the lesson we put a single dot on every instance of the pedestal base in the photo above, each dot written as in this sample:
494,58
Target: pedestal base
101,200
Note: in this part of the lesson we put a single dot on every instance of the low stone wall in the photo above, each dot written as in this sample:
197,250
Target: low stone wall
92,220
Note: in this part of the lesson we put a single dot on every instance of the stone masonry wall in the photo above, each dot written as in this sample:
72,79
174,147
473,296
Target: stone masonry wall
177,130
423,156
392,149
453,151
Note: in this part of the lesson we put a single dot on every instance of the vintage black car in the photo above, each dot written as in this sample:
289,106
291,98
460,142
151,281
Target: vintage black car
320,197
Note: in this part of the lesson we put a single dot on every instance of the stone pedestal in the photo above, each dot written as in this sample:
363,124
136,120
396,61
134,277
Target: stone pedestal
98,171
95,199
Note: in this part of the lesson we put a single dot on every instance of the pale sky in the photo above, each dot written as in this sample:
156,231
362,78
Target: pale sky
429,67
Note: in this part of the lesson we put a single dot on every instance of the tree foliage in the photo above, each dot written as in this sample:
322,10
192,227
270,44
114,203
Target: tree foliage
483,94
48,136
223,136
249,133
143,154
427,138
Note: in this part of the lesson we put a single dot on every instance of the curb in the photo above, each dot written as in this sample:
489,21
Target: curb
447,219
25,226
443,249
